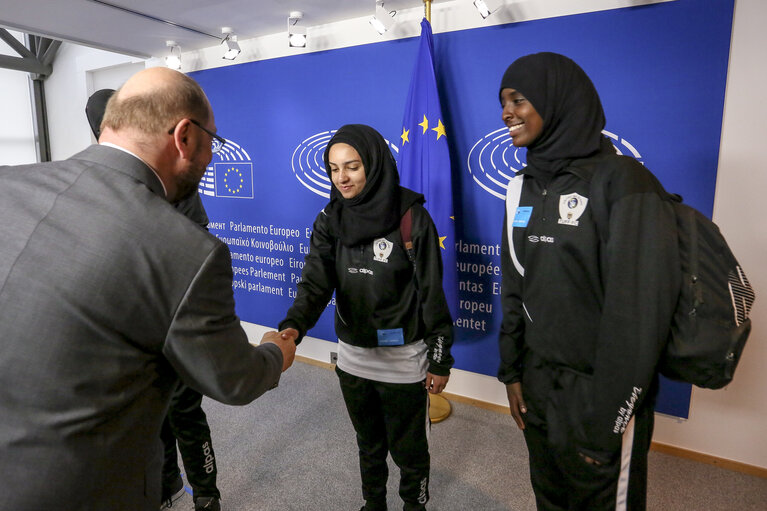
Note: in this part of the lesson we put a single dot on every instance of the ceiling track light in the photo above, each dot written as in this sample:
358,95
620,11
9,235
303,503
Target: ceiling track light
382,20
296,35
230,40
487,7
173,60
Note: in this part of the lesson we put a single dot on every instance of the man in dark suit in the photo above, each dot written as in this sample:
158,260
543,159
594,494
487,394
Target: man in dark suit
107,296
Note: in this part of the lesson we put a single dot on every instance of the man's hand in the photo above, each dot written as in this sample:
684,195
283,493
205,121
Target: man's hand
516,403
434,383
286,341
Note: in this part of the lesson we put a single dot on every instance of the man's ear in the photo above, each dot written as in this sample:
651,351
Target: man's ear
182,134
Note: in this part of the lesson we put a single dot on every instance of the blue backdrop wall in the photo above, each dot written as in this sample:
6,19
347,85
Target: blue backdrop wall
661,74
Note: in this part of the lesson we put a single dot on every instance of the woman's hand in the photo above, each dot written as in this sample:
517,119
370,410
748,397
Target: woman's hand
435,383
516,403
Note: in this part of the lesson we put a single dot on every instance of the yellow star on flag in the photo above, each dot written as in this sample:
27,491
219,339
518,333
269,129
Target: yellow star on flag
440,129
424,124
441,244
404,135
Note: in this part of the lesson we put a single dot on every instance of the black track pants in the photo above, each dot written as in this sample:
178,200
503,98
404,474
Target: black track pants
562,480
389,417
186,423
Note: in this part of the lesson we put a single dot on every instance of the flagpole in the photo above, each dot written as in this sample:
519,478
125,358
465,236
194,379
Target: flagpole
439,406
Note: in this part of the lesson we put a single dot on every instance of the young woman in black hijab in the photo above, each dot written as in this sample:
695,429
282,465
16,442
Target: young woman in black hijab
590,280
393,324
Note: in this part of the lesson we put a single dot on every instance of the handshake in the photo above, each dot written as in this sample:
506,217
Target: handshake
286,341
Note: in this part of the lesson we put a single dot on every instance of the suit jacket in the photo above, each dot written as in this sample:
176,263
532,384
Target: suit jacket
107,295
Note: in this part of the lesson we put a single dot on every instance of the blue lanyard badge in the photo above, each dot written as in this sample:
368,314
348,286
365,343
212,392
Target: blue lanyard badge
393,337
522,216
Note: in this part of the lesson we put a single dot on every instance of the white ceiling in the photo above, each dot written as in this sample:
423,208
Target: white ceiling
92,23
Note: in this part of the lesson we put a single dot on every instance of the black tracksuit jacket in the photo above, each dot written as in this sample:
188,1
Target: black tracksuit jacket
377,293
597,306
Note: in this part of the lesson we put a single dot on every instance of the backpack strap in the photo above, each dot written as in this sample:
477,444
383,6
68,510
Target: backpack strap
598,201
406,230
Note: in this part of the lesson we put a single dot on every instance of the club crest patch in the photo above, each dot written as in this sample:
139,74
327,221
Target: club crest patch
571,207
381,250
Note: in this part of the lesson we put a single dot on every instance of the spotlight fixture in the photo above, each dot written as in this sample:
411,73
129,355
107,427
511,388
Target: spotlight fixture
487,7
173,60
296,35
230,40
382,20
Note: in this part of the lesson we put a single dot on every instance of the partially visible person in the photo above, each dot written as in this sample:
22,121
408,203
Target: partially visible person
587,298
392,321
186,423
95,108
107,296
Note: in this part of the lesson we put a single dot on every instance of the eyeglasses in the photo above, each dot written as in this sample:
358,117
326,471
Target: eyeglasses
217,141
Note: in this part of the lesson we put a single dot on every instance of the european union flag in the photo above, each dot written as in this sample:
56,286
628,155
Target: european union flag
424,160
234,179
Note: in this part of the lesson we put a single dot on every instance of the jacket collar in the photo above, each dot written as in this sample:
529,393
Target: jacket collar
123,162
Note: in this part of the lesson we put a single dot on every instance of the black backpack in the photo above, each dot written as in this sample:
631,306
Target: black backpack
710,324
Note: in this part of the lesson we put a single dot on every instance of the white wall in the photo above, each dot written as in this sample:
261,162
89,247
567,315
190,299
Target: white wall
68,88
732,423
17,139
728,423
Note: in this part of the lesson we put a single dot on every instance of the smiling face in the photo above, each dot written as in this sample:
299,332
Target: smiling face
346,170
524,123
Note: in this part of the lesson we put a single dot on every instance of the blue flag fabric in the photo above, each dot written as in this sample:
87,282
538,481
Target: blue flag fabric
424,160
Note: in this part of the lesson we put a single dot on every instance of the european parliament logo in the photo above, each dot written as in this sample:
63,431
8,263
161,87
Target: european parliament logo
493,160
231,177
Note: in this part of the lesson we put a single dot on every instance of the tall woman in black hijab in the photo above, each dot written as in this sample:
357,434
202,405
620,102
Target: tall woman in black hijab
590,280
393,325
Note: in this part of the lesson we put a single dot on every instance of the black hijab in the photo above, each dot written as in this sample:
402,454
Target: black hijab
569,105
377,209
